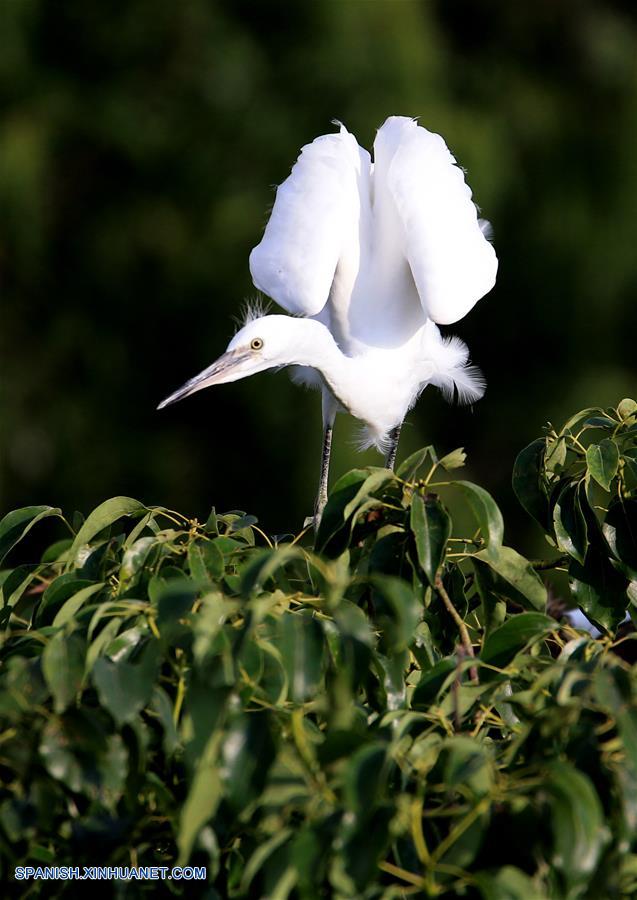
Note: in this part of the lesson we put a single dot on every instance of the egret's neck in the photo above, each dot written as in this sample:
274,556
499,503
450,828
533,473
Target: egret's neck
311,344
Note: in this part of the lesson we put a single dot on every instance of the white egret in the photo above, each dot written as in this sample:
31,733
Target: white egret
367,257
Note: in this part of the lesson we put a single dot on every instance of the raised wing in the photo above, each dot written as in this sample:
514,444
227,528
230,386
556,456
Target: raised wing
452,262
315,210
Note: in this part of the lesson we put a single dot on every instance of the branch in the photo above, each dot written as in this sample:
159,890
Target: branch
541,565
462,628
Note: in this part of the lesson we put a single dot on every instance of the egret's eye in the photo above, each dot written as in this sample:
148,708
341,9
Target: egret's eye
256,344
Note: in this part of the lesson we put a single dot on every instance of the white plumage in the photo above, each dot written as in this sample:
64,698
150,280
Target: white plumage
368,257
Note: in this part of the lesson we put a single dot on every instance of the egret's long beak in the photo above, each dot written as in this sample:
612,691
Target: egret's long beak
228,367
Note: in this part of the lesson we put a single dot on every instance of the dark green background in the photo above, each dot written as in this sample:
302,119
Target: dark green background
139,143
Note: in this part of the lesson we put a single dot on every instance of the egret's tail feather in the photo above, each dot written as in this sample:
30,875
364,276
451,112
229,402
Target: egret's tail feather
452,375
368,437
467,383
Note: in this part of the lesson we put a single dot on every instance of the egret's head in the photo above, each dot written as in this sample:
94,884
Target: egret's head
264,343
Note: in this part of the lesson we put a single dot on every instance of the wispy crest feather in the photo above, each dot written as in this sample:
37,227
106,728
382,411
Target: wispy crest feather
252,308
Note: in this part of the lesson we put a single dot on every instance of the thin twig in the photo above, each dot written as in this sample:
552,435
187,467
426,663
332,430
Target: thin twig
462,628
541,565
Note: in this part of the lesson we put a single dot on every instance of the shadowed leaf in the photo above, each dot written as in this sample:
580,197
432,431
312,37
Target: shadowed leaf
431,526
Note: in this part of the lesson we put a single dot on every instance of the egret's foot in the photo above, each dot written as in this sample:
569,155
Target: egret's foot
321,500
394,435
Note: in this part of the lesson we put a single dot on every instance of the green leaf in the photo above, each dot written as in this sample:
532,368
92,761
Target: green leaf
160,703
247,752
582,414
302,649
206,561
261,855
620,532
361,845
454,460
569,522
75,602
505,642
494,593
204,797
57,593
431,526
243,522
408,469
602,461
133,561
15,584
63,667
376,478
627,408
466,763
58,757
486,512
599,589
517,572
614,691
264,564
124,688
173,598
364,779
333,518
507,883
16,524
528,483
103,516
605,422
398,611
432,682
555,455
579,830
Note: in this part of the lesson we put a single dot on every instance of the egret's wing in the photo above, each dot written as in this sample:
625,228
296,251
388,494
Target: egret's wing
451,259
315,208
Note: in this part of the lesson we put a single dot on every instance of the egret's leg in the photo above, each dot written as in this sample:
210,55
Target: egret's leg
321,498
394,435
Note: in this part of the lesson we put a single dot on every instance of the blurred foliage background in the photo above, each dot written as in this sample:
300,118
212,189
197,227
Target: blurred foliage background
139,146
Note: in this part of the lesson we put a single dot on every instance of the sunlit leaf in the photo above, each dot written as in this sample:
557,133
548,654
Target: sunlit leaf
602,461
517,572
410,467
569,522
627,408
454,460
104,515
502,645
205,560
486,511
620,531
